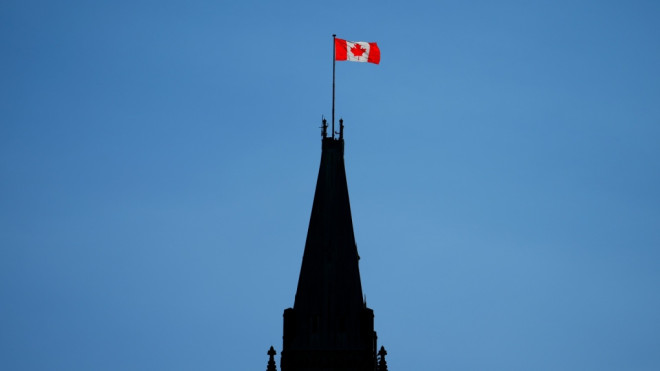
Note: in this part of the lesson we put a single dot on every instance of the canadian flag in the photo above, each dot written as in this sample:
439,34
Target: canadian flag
356,51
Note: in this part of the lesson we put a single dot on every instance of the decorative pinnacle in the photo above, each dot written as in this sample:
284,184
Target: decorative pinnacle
341,128
324,128
382,363
271,360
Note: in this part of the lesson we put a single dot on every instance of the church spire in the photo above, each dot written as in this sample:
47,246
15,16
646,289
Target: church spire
329,326
330,276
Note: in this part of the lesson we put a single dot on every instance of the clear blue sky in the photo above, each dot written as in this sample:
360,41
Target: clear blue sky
158,162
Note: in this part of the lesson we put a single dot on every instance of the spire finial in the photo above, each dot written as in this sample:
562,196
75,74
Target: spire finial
324,128
382,363
341,128
271,360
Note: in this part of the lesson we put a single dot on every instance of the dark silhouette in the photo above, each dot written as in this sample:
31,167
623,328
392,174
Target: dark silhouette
324,128
271,360
382,363
330,326
341,129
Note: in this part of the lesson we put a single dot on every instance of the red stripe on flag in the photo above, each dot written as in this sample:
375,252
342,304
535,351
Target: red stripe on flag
341,50
374,53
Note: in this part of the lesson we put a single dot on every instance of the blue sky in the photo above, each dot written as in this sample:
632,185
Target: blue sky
158,162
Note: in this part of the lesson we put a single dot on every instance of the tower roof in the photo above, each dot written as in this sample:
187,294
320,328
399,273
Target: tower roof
329,326
329,277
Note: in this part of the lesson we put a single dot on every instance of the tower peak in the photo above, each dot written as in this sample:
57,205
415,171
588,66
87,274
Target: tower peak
324,129
330,327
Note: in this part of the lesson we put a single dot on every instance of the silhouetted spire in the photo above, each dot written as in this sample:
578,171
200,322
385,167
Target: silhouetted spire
330,276
271,360
382,363
329,326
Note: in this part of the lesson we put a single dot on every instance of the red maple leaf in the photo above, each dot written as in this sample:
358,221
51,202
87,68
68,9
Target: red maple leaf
358,50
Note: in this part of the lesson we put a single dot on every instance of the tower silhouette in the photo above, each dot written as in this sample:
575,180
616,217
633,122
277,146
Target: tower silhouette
330,326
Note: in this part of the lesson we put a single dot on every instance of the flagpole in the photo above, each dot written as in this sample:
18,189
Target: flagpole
334,59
